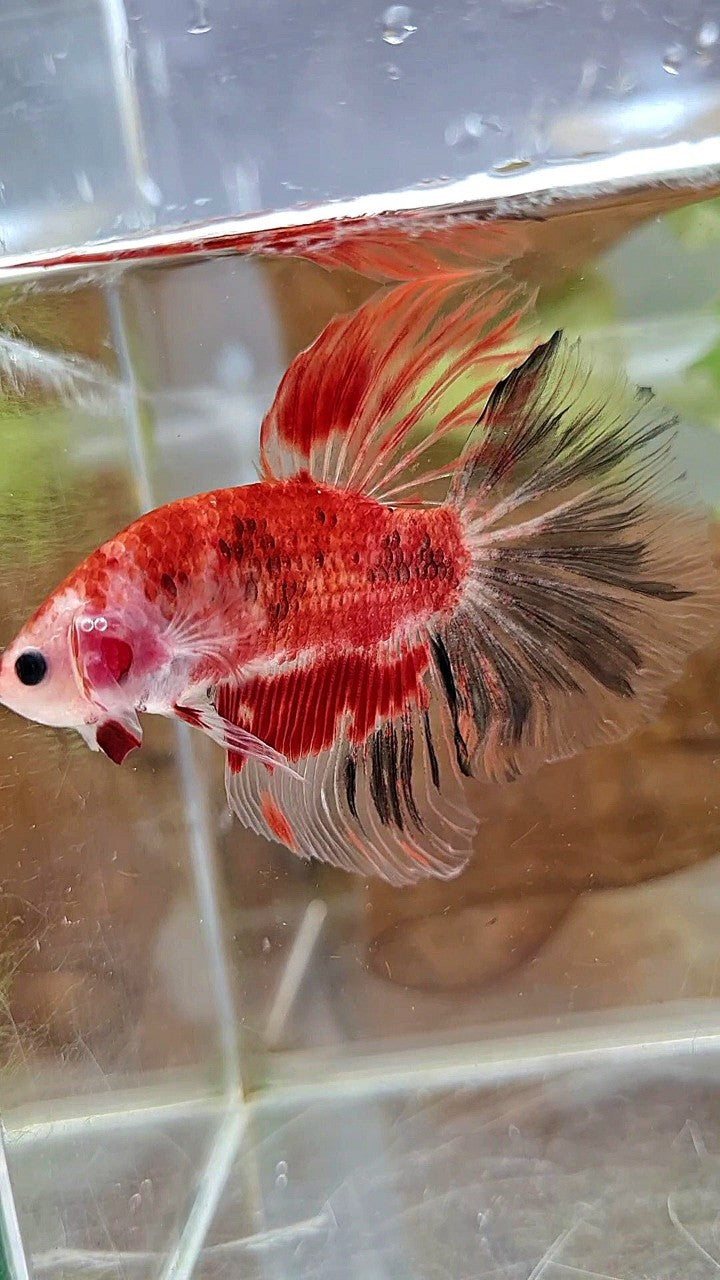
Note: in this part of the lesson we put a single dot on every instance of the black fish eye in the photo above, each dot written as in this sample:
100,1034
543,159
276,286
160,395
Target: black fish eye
30,667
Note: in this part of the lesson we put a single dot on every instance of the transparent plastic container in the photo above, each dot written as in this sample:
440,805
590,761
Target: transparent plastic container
217,1061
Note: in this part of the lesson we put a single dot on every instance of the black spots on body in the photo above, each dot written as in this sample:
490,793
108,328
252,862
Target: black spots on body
281,608
320,516
319,559
167,582
273,565
392,565
251,591
267,542
225,549
239,527
182,578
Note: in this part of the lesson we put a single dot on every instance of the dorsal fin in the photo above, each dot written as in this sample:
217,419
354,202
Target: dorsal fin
366,405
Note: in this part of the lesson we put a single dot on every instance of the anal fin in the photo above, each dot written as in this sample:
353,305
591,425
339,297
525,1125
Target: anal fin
373,788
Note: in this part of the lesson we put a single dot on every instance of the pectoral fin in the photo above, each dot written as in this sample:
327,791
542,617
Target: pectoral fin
116,735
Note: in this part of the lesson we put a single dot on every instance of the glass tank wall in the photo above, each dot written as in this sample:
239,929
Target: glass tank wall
216,1060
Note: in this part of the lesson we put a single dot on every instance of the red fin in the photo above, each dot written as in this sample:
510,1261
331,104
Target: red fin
228,734
592,578
277,822
411,249
375,790
116,740
370,400
299,712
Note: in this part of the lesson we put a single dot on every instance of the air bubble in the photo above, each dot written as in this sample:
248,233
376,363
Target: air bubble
397,24
466,132
506,168
101,624
588,76
150,191
86,624
673,59
706,38
84,187
201,25
623,82
281,1173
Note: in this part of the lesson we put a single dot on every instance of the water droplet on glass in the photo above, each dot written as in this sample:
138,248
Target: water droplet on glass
135,1202
520,7
266,945
84,187
506,168
588,76
673,59
397,25
706,38
201,23
150,191
281,1173
623,82
466,132
393,71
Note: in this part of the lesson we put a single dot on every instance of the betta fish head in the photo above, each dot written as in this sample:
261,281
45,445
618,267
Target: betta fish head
71,667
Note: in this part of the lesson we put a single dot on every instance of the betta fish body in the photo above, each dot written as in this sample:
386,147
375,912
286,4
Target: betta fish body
359,650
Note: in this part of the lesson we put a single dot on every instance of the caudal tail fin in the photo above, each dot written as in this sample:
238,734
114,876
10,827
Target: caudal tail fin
592,577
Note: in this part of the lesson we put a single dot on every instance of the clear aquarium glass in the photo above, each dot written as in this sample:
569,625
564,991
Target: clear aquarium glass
216,1060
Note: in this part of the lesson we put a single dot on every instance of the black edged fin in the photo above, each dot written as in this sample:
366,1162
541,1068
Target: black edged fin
592,578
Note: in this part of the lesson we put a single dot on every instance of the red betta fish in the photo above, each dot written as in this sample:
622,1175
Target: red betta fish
359,649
